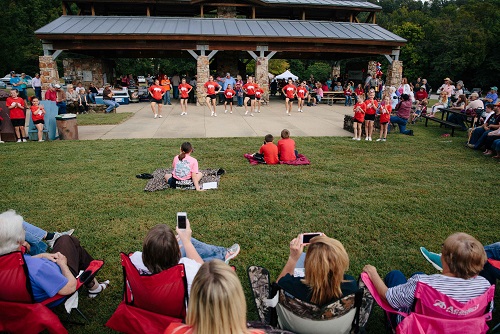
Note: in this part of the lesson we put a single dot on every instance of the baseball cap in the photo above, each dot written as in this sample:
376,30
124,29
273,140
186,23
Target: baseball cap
12,72
57,86
494,88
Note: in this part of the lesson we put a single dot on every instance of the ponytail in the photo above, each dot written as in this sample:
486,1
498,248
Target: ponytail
186,148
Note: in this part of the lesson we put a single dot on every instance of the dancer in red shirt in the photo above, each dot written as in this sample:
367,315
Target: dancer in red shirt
210,88
184,89
385,117
229,93
37,115
258,97
371,109
289,91
16,113
302,94
249,90
359,116
156,96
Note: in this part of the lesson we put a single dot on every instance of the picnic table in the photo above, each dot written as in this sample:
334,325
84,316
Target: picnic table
331,96
444,120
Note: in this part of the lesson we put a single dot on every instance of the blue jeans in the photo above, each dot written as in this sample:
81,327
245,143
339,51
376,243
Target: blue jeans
34,236
402,124
457,119
476,134
240,100
348,100
207,252
91,97
61,108
489,272
496,146
176,92
480,140
166,98
38,93
111,105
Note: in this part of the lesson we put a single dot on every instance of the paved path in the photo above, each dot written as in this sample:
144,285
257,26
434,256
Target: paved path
321,120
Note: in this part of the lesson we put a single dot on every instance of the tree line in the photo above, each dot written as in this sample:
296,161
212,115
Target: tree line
446,38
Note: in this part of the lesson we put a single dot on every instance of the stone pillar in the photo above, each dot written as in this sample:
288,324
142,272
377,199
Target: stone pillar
372,67
203,72
48,72
335,71
262,76
227,61
394,74
87,70
226,12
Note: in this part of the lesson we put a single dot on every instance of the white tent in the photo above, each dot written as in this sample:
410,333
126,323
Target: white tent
287,74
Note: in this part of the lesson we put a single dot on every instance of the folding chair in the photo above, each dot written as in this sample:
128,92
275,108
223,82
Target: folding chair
19,313
434,312
496,264
150,302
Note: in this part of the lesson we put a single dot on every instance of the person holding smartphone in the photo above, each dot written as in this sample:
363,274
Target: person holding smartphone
325,264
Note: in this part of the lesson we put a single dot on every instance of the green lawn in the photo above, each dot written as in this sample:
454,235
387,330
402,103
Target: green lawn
103,118
382,200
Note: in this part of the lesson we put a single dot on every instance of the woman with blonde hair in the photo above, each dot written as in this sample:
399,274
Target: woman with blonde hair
217,303
325,264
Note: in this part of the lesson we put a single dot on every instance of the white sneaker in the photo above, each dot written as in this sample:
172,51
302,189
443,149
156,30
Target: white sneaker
2,142
354,138
24,140
366,138
160,116
251,114
212,114
19,140
289,114
182,113
225,111
156,115
231,112
41,140
358,139
369,138
384,139
57,235
380,139
215,114
246,112
258,111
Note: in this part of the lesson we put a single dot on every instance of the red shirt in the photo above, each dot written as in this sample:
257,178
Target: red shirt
15,113
37,117
385,116
229,93
359,91
156,92
259,92
211,86
358,115
286,149
250,88
420,95
290,91
301,92
51,95
373,108
270,151
184,89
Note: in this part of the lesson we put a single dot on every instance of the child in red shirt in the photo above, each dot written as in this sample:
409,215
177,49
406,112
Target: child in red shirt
184,89
289,91
371,109
286,147
37,115
249,90
302,94
16,113
229,93
359,117
258,97
268,153
210,87
156,92
385,117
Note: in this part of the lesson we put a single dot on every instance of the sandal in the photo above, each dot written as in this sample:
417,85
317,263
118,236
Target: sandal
102,286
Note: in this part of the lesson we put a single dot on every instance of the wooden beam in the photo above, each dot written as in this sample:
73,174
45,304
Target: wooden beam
92,9
351,17
64,9
201,11
148,12
303,15
253,12
374,18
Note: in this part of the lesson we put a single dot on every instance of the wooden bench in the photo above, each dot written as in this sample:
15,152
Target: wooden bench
441,123
331,97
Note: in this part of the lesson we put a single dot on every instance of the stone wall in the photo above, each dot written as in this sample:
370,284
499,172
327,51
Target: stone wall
372,67
227,61
394,74
203,72
48,72
335,71
226,12
100,70
262,75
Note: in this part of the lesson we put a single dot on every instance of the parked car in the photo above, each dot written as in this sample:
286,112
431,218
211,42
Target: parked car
3,85
141,79
6,79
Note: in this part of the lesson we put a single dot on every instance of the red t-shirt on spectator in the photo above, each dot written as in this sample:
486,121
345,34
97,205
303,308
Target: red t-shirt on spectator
290,91
15,113
51,95
270,151
420,95
373,108
211,86
229,93
358,115
156,92
184,89
359,91
37,117
286,149
250,88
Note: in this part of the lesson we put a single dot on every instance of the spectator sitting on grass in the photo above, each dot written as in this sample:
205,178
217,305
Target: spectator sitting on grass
185,168
161,250
286,147
268,153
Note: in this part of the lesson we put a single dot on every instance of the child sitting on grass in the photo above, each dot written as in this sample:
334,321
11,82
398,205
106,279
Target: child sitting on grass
268,153
286,147
359,117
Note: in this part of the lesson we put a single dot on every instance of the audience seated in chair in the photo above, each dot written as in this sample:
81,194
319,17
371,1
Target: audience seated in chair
217,303
463,258
491,123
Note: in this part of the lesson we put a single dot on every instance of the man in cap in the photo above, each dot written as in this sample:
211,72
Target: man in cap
15,81
60,99
51,94
447,87
492,96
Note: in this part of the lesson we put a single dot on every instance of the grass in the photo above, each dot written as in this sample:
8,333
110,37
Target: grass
382,200
103,118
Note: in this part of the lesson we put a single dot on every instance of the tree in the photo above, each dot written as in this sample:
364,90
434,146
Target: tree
275,66
320,70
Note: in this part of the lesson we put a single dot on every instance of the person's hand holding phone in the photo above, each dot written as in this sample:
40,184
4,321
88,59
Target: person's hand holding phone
185,233
296,248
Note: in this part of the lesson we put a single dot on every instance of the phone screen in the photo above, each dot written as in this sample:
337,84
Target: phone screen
181,220
306,238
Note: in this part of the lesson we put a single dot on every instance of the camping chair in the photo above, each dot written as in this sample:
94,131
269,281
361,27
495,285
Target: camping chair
496,264
19,313
150,302
434,312
346,315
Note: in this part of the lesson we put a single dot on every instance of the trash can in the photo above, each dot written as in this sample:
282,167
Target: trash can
67,127
134,94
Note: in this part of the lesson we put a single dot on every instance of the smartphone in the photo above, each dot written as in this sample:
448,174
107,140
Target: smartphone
181,220
306,237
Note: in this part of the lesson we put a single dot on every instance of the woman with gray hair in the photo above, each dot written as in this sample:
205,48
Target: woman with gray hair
49,273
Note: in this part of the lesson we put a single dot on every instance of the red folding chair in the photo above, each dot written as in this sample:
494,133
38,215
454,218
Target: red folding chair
150,302
436,313
19,313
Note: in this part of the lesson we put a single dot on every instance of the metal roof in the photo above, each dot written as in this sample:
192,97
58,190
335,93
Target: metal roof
334,3
208,27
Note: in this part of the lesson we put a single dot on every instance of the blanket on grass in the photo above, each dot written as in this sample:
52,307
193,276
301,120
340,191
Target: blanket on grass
158,181
301,160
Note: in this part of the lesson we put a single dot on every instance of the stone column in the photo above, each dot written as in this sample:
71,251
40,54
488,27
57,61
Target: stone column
394,74
335,71
203,72
48,72
262,76
372,67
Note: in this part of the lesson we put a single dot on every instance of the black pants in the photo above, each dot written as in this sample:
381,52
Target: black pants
78,258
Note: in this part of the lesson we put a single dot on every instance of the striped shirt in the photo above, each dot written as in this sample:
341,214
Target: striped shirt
401,297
